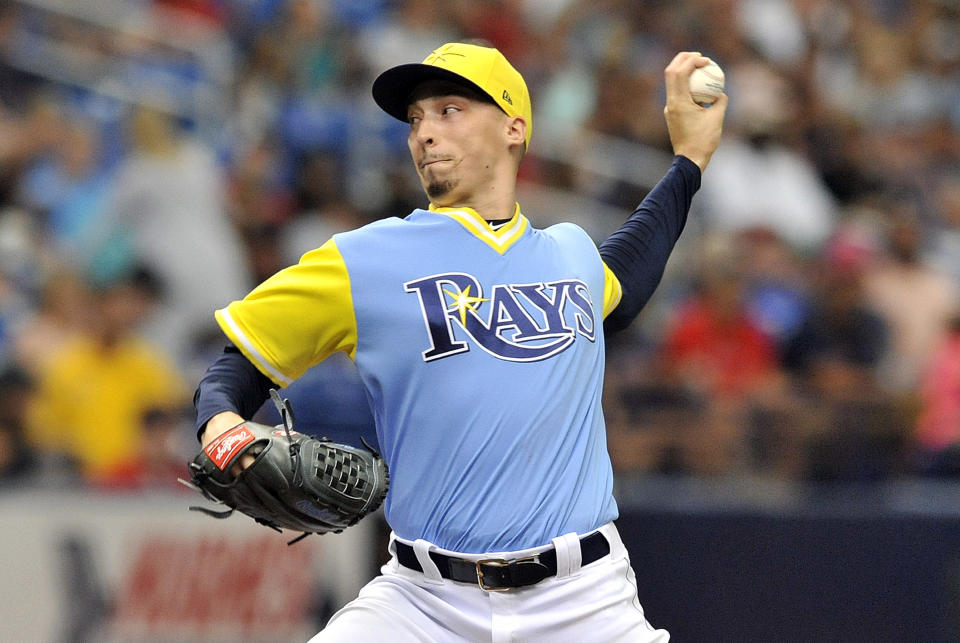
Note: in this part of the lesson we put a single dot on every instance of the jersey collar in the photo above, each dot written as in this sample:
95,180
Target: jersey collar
500,239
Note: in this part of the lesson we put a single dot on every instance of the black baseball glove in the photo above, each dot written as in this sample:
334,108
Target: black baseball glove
295,481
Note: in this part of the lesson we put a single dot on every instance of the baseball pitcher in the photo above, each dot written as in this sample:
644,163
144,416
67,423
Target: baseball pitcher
480,341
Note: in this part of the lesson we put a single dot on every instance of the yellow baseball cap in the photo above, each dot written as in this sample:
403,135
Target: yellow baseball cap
484,69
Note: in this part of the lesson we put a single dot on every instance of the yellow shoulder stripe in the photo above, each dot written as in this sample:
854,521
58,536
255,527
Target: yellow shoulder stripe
612,291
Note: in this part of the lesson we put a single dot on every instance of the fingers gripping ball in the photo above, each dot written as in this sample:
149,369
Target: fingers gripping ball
295,481
707,83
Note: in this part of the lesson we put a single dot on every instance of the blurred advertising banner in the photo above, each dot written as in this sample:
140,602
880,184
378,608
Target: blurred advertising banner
128,567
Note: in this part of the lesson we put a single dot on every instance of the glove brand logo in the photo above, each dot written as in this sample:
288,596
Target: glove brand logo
517,322
226,447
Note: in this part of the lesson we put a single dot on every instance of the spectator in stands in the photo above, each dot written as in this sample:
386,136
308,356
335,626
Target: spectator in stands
833,358
943,252
18,275
712,344
658,426
69,189
91,401
915,300
24,137
63,309
410,28
840,323
778,281
937,435
720,357
760,178
165,448
852,429
169,201
17,458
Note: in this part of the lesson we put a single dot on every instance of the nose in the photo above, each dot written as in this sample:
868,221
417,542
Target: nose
425,132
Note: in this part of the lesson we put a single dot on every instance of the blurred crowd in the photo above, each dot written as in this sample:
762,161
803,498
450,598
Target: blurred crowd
158,158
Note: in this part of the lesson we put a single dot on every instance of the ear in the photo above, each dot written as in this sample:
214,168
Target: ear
516,130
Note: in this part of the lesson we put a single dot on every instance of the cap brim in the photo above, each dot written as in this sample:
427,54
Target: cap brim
392,88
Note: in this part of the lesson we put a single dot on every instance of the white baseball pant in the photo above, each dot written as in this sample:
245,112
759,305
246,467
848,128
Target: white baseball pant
597,602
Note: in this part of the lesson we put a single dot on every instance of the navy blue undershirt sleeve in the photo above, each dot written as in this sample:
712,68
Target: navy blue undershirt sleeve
232,383
637,253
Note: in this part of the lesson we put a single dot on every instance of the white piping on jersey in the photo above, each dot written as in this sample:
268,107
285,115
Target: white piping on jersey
252,351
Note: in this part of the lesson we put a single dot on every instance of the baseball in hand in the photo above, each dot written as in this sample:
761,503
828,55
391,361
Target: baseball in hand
706,84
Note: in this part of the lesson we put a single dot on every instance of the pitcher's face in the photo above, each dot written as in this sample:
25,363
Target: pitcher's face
457,140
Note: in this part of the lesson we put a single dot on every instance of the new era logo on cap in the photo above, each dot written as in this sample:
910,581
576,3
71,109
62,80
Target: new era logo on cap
506,97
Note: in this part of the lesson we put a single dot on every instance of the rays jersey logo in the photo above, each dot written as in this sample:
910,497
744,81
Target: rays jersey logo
515,322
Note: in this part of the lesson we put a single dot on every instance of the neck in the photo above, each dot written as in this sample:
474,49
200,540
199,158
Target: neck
499,215
496,200
496,211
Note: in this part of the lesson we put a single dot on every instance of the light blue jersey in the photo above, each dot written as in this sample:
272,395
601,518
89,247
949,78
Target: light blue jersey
482,355
484,372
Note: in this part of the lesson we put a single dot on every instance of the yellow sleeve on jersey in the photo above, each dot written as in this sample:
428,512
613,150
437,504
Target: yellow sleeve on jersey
612,291
296,318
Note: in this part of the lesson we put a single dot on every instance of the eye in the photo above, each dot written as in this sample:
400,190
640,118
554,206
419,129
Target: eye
413,120
450,109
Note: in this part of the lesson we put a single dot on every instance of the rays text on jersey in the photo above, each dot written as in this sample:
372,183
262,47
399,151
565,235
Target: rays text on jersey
516,322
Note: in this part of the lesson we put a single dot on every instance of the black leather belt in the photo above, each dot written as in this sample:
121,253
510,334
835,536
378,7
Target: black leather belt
500,574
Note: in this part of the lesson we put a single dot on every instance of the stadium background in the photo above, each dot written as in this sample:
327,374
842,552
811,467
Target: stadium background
783,418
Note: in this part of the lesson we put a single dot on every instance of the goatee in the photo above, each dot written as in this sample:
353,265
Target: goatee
439,188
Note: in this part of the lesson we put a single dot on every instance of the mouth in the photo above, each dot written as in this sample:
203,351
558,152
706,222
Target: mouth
428,163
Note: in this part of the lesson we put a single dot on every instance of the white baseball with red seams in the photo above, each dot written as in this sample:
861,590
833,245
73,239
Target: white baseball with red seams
707,83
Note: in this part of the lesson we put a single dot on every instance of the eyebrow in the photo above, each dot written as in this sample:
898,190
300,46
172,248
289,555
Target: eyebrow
446,90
